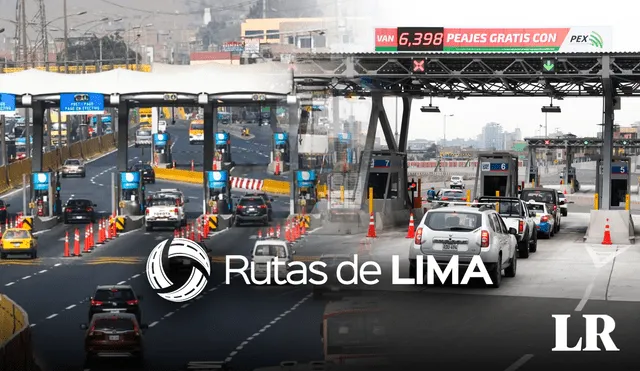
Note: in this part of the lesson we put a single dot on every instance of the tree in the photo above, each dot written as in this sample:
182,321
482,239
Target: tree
113,49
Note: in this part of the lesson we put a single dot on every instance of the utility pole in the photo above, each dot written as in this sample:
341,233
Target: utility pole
45,36
66,33
264,9
23,26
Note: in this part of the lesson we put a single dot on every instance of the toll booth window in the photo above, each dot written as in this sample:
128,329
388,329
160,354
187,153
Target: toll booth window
271,250
453,221
15,235
21,149
379,184
393,186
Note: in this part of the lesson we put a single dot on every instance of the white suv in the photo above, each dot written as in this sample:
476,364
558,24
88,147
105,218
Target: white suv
466,232
456,182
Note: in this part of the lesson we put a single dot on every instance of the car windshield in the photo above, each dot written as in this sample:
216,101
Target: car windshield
197,126
110,324
537,196
537,208
114,295
72,162
144,132
270,250
456,178
453,221
251,202
162,202
10,235
79,203
561,195
452,194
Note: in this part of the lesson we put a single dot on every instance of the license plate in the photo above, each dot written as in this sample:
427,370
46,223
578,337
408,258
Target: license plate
252,209
78,217
17,244
114,310
114,337
450,246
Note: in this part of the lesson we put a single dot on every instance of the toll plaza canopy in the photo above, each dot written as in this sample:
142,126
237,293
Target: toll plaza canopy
212,79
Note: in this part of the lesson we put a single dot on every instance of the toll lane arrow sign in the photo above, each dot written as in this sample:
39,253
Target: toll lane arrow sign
549,65
601,256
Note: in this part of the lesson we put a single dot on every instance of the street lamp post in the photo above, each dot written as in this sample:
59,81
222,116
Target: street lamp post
444,129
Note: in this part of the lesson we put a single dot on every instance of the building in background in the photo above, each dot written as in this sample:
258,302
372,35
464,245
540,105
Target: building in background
493,136
214,57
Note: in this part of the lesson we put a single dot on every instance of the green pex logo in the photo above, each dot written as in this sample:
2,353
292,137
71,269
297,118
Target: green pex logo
596,40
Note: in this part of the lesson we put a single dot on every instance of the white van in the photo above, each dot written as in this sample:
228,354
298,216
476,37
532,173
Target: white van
162,126
265,251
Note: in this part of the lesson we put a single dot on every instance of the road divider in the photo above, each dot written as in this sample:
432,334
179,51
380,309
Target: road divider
281,187
11,175
16,352
249,184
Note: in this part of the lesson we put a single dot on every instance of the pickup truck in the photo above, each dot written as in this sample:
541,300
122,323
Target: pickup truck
163,211
516,214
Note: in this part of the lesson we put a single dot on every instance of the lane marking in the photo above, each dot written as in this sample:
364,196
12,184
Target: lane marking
52,316
520,362
121,283
31,275
268,326
70,307
585,298
153,324
26,277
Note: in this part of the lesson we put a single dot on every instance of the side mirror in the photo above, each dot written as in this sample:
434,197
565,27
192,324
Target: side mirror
84,326
271,200
144,326
513,231
95,205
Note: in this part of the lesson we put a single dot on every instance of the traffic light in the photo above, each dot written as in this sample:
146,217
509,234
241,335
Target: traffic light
58,188
624,142
547,142
586,142
413,186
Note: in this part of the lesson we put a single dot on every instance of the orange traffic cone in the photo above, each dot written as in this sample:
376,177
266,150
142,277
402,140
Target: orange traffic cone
259,234
66,245
215,165
606,240
76,243
411,233
277,171
271,232
303,228
278,231
87,244
565,191
372,227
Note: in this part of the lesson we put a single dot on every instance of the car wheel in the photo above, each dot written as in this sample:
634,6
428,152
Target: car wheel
149,228
65,221
523,249
266,222
496,274
534,243
565,212
83,175
511,270
64,175
549,235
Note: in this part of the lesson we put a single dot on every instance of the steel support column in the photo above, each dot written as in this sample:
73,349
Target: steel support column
294,125
365,161
273,119
387,131
607,138
210,120
122,157
38,131
569,159
403,141
335,112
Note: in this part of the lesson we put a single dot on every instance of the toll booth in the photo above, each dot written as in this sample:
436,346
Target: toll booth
131,196
42,198
571,178
281,146
218,192
496,172
223,146
533,176
386,177
620,181
162,148
306,191
343,152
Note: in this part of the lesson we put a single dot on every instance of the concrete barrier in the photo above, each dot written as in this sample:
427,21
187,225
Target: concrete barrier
132,223
42,223
276,186
16,352
620,225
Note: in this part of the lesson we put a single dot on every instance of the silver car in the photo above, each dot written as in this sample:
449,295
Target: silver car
73,167
466,231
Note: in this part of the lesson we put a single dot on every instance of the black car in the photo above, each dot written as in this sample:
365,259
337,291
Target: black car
148,174
252,210
78,210
115,299
3,212
266,199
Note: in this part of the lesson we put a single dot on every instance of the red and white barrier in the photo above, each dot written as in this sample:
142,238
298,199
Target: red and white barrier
246,183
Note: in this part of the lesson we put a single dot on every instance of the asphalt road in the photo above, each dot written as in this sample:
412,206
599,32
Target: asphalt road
259,326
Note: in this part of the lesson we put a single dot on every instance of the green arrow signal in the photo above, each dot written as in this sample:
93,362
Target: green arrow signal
548,65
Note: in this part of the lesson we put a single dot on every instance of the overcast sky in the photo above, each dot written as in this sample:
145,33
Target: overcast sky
580,116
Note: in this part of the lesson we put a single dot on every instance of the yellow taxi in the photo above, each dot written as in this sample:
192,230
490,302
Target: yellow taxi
18,241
